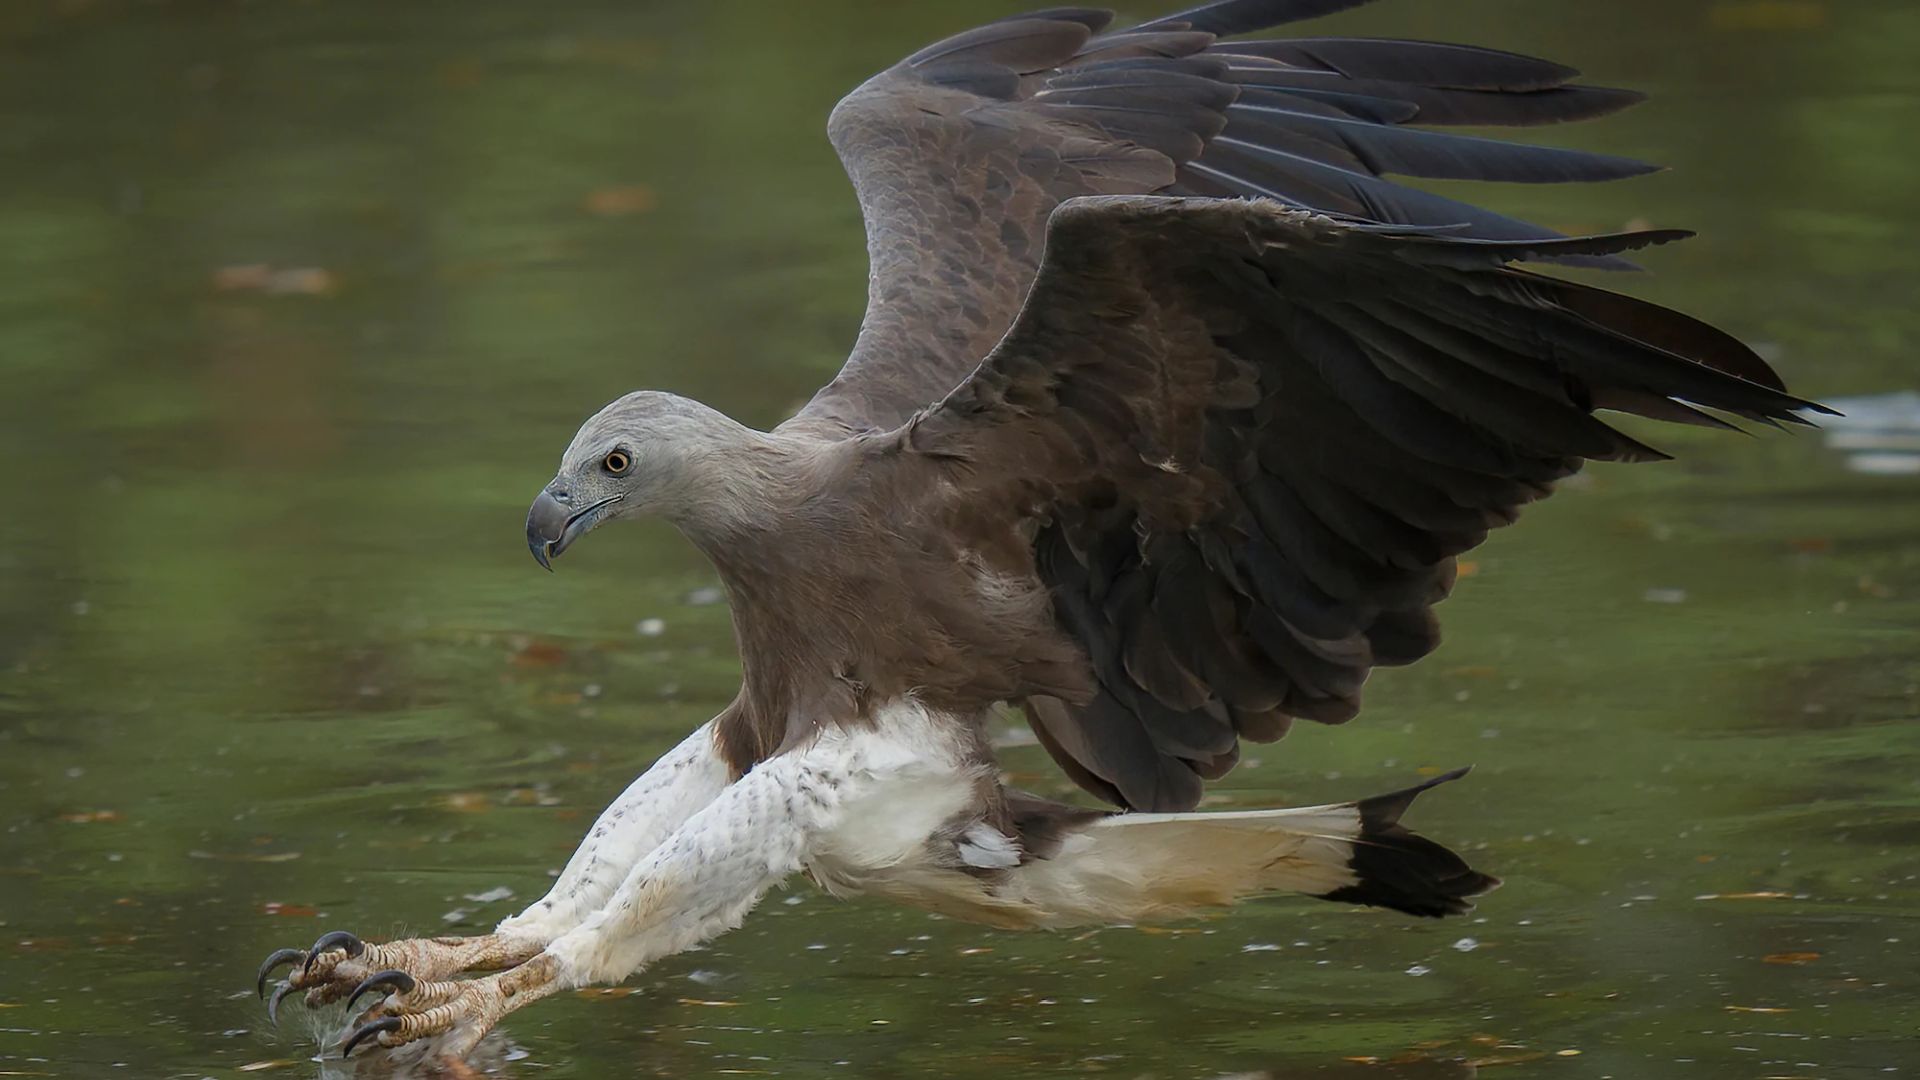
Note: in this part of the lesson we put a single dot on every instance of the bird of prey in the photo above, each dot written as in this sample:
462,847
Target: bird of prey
1167,420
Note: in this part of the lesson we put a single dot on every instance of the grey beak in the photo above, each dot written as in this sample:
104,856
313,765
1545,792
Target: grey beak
546,528
553,524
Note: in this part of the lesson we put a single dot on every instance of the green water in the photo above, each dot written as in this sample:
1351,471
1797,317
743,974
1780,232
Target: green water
300,300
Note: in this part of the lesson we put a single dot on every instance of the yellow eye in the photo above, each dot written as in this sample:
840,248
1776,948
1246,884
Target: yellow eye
618,462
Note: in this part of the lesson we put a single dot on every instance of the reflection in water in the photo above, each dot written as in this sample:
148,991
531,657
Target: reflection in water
1880,435
497,1054
494,1058
296,301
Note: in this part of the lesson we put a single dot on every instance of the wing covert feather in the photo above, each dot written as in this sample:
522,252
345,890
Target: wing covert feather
960,152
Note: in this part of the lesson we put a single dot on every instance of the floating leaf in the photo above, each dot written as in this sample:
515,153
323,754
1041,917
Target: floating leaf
83,817
620,200
263,1066
467,802
1767,895
710,1004
461,74
275,281
245,856
539,654
248,277
295,911
1755,1009
1796,959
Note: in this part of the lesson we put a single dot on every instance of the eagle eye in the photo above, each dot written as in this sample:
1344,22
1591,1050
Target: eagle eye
617,462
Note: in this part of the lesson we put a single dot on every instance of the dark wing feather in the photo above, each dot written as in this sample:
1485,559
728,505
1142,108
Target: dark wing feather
960,152
1423,63
1249,442
1229,17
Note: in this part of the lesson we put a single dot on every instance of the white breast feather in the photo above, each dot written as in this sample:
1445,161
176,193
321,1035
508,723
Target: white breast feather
908,779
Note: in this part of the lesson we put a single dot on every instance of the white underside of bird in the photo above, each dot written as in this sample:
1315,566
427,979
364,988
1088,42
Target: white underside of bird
892,809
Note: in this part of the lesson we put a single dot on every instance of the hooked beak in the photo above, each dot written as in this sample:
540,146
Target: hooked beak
553,526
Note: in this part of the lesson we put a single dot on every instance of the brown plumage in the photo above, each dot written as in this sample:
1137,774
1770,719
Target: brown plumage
1167,469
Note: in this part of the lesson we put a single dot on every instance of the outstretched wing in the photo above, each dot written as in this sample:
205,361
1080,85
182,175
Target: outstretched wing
1250,441
960,152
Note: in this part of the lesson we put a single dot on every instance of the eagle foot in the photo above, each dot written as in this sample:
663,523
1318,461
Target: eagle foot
341,965
458,1014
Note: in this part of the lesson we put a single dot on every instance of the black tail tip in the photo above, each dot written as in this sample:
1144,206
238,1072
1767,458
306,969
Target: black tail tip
1397,868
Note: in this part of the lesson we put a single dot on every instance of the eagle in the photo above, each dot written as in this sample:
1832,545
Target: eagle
1167,421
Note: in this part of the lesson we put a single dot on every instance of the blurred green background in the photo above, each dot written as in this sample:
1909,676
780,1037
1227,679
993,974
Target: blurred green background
301,299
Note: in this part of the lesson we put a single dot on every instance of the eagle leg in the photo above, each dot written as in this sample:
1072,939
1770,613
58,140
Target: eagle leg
456,1014
341,966
698,882
340,963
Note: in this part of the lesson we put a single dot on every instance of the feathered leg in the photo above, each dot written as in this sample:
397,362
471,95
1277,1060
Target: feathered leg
700,882
340,965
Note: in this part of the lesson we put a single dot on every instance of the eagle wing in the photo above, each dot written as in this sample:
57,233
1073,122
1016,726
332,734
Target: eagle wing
1250,441
960,152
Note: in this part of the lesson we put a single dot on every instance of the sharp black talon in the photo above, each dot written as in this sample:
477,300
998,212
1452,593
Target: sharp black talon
280,956
398,981
273,1005
333,939
391,1023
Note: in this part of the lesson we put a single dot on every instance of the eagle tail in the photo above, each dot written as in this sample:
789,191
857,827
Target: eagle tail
1151,867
